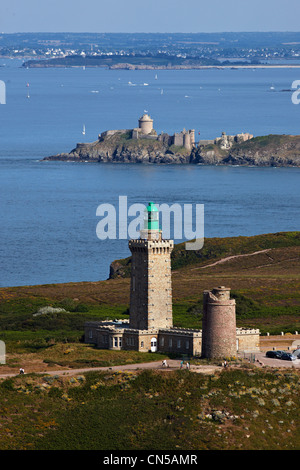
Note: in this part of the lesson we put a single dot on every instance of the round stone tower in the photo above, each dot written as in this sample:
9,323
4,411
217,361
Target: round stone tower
219,324
146,124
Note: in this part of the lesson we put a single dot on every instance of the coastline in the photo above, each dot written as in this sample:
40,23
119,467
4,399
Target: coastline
200,67
129,66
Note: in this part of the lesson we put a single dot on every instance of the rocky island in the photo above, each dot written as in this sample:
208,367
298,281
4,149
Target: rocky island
144,145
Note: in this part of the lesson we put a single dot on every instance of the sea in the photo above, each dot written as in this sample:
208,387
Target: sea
48,210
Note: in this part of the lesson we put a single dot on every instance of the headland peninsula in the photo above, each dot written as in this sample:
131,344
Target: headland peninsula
143,145
139,62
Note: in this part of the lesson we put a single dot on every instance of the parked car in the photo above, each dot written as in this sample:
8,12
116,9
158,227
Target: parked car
288,357
296,353
274,354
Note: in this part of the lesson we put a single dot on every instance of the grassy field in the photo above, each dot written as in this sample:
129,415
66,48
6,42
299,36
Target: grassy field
239,408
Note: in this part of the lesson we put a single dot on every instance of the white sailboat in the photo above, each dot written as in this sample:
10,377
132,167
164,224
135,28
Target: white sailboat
156,77
83,130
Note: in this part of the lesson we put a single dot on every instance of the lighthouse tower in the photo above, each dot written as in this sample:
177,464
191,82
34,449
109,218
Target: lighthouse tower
151,288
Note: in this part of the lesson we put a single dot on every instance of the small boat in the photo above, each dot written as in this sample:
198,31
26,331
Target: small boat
83,130
156,77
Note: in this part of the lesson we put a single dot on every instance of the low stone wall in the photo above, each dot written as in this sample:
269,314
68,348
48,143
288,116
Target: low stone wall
205,142
248,340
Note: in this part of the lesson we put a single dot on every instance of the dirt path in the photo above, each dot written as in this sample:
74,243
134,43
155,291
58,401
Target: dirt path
172,365
223,260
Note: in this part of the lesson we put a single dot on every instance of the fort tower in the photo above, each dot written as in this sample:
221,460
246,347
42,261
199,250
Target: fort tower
151,289
219,324
146,124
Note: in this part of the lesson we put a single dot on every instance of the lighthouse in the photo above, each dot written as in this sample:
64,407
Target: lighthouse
151,285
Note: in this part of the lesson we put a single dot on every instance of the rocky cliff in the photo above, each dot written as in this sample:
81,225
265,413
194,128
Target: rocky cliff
121,148
271,150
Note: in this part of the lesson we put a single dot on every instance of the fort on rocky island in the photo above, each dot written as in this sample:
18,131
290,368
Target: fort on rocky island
142,144
150,325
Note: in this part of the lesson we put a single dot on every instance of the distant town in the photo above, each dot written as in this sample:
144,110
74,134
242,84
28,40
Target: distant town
109,49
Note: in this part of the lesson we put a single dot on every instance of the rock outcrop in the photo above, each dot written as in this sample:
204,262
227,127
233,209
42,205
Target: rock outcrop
272,150
120,148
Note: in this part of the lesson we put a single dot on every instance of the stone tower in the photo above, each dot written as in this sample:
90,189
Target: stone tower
146,124
151,288
219,324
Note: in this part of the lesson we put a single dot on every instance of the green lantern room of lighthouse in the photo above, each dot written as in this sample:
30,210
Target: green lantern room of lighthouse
151,221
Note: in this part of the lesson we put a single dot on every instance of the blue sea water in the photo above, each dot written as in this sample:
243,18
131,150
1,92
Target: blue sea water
48,209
